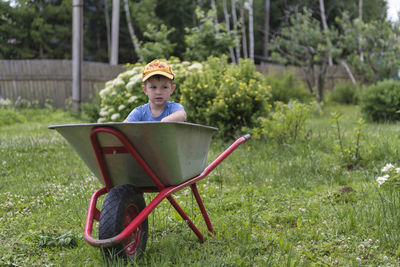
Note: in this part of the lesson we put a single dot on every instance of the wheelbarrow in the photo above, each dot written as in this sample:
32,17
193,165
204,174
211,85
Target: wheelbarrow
131,159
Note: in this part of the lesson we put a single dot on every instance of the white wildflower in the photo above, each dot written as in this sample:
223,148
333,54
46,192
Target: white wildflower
382,179
121,107
388,167
397,170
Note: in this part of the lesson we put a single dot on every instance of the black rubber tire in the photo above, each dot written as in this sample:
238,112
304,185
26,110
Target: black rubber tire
121,206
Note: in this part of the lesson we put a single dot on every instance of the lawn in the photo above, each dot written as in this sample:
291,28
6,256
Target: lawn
270,204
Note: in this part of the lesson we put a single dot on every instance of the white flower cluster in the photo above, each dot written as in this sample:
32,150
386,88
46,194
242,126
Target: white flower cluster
388,170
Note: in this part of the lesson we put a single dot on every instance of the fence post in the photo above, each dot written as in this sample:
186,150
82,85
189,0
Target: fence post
77,45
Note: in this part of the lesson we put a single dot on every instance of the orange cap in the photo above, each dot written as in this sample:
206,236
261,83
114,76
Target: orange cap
157,67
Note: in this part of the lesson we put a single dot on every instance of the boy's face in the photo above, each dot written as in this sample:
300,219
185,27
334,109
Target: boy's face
158,89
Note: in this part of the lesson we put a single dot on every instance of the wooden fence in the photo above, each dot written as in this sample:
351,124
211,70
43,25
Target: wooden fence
51,80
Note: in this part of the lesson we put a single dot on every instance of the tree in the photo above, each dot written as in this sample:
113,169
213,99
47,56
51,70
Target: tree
207,39
380,43
266,27
131,30
158,44
304,44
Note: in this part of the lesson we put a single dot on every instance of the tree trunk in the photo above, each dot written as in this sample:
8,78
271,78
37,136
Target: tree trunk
325,26
115,33
234,17
266,27
244,35
214,7
131,31
228,29
359,37
353,80
107,17
251,30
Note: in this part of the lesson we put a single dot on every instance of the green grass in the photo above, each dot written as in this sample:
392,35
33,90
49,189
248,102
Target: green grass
276,205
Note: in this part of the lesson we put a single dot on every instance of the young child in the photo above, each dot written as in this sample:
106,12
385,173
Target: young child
158,85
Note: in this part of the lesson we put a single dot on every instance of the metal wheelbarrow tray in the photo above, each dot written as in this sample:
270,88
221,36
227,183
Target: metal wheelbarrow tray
130,159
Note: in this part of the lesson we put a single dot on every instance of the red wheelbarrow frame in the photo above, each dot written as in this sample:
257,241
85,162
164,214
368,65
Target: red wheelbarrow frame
164,192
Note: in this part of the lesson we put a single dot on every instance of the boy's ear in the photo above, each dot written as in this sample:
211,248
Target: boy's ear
173,87
144,89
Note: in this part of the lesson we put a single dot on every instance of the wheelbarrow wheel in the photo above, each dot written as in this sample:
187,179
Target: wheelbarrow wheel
121,205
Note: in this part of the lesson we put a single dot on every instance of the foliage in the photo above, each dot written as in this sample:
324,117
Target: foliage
35,29
227,96
350,153
285,87
92,108
286,124
304,44
124,93
208,38
159,45
344,93
9,116
381,101
380,45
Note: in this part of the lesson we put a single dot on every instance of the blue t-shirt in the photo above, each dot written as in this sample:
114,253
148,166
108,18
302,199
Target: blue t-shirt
143,113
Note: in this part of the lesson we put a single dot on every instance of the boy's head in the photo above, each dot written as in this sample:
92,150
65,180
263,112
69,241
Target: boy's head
157,68
158,83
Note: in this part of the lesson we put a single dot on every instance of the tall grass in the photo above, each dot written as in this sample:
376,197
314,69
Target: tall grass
270,204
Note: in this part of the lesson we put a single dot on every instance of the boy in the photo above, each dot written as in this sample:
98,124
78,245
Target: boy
158,85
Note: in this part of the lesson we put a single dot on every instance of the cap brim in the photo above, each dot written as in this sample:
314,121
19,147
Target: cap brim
157,72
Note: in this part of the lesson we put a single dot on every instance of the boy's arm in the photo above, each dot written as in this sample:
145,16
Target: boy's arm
177,116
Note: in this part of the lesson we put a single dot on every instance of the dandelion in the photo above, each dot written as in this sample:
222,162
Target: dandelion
388,167
382,179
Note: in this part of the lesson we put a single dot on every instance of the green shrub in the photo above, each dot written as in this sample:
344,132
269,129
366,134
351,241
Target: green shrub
381,101
344,93
227,96
124,93
286,124
9,116
351,151
284,87
92,108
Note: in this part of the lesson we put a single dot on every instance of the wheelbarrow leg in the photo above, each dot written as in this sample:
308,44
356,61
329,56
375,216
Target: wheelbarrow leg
186,218
202,208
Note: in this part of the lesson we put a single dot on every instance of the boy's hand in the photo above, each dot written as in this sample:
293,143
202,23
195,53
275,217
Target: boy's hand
178,116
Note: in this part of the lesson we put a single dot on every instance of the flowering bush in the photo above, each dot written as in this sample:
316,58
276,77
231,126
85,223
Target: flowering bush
227,96
124,93
391,175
